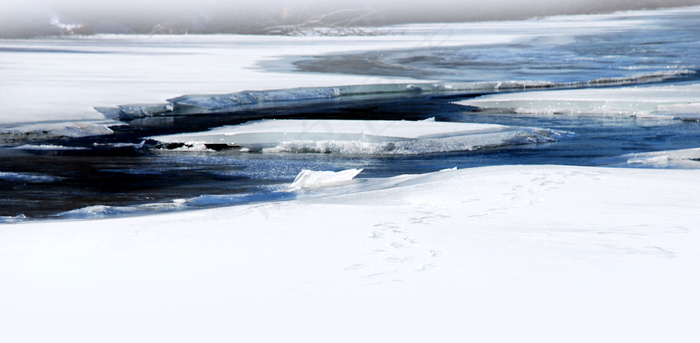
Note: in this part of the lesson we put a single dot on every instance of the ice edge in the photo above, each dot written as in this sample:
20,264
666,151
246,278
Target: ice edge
280,98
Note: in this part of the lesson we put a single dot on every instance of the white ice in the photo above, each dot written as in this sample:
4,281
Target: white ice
669,101
362,136
310,179
507,253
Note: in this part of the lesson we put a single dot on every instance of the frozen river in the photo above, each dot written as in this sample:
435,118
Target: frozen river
52,163
514,181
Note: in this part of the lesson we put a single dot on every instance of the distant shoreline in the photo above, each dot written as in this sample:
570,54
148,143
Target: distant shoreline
44,18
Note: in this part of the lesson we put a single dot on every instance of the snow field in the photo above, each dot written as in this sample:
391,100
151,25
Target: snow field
496,253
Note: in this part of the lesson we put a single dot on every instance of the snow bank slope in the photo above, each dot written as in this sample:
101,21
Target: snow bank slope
491,254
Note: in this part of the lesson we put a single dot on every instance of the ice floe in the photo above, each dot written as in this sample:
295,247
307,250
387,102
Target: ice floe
680,101
360,136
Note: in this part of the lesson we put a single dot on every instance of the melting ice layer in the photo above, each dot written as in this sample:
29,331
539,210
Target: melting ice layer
50,130
681,101
362,136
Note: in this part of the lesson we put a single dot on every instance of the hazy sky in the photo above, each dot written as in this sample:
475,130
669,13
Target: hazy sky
233,12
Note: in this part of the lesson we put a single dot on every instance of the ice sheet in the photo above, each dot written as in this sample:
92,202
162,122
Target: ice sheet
361,136
670,101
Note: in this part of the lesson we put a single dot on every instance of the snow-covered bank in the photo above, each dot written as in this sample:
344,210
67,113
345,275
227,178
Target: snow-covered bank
547,253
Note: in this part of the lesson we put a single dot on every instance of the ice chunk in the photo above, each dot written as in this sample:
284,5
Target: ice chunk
672,101
130,112
361,136
309,179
